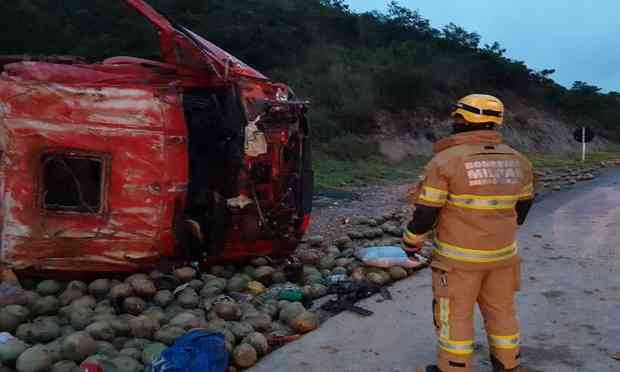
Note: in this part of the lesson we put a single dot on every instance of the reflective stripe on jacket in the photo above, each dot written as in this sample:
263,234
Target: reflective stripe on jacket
476,180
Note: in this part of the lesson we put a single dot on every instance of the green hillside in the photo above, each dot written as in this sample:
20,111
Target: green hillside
349,65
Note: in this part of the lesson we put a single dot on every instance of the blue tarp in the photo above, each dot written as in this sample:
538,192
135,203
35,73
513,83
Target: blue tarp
195,351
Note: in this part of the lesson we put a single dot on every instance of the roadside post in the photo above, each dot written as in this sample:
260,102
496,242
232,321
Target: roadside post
583,135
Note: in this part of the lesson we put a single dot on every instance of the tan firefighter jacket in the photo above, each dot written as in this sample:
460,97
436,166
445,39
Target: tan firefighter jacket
476,180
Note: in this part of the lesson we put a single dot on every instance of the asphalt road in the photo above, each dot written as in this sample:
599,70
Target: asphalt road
569,304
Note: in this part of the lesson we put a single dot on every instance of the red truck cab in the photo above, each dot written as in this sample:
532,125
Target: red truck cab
119,165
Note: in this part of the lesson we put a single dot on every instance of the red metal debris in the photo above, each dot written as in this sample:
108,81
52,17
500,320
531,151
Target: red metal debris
117,165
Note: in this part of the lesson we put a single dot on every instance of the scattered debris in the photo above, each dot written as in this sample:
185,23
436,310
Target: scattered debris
386,257
257,306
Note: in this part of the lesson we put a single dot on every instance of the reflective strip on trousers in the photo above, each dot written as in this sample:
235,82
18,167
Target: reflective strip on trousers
473,255
505,342
483,202
433,195
444,318
456,347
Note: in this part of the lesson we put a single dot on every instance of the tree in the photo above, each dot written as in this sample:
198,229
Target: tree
459,36
494,50
409,20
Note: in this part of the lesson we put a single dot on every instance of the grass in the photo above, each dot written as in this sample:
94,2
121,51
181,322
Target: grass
331,172
552,161
334,173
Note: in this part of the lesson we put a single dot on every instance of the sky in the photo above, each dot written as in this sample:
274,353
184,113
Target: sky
580,39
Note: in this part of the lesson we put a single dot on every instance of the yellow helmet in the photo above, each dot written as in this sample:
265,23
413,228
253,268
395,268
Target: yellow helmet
480,109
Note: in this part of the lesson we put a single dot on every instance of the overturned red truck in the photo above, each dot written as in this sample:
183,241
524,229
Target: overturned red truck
119,165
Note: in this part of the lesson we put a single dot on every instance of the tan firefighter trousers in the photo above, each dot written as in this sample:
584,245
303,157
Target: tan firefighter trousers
455,293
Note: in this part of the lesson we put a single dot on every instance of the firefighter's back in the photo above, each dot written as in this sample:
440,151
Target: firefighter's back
485,181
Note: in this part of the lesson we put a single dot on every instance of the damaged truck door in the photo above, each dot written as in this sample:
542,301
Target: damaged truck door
114,166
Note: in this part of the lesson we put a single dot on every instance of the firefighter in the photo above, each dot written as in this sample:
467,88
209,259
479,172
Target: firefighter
475,192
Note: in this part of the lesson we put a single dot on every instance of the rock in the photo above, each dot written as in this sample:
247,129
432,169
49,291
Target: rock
237,284
168,334
264,274
327,262
34,359
356,235
185,274
11,350
80,317
196,284
49,287
258,341
27,298
241,329
342,262
140,276
67,330
120,326
245,356
143,288
78,346
127,364
188,299
24,332
69,295
101,330
186,320
228,311
143,326
134,305
375,278
138,343
318,290
44,331
64,366
107,349
309,256
260,261
557,188
105,308
342,241
163,298
339,271
47,305
152,352
397,273
85,301
220,283
290,311
210,291
260,322
78,286
221,272
12,316
304,322
278,277
315,241
132,353
121,291
156,313
99,288
255,288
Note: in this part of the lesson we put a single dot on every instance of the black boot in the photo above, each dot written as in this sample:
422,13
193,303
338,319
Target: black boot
429,368
499,367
